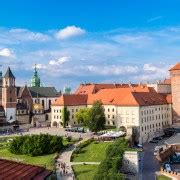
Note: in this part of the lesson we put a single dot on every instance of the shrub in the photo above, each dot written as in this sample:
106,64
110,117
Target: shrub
36,145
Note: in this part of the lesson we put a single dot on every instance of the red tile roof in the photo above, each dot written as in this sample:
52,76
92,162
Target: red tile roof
94,88
131,96
71,100
10,170
176,67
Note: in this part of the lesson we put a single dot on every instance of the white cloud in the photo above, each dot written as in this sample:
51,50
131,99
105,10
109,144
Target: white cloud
154,18
69,31
41,66
149,67
6,53
59,61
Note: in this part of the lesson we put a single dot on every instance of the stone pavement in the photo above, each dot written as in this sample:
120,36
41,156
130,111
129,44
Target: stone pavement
65,157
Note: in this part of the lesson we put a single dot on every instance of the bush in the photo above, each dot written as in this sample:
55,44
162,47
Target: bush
36,145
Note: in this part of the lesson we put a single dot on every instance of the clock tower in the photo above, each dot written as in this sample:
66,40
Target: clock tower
9,95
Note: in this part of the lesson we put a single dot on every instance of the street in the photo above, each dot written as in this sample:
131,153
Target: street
150,164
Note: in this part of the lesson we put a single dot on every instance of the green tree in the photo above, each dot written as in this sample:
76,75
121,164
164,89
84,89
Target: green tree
97,117
93,117
83,116
65,116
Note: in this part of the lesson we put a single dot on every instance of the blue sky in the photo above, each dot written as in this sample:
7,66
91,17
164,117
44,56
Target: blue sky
89,41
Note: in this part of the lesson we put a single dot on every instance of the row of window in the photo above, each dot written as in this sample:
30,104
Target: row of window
149,118
151,111
108,110
148,127
126,112
127,120
109,116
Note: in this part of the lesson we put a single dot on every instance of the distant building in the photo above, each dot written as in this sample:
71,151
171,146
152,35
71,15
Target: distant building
24,104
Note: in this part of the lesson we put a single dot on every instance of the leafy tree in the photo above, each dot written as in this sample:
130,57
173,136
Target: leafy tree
97,117
83,116
65,116
93,117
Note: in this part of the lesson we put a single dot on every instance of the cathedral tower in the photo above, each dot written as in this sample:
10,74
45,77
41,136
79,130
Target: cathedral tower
9,95
35,81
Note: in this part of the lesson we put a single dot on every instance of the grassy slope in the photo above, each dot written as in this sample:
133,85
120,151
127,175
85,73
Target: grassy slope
93,152
83,172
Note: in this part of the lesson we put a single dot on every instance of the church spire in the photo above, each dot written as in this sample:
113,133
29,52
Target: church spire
35,81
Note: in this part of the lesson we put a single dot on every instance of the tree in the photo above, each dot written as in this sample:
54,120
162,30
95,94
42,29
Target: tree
93,117
65,116
97,117
83,116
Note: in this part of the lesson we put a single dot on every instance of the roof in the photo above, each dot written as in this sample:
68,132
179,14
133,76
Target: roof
15,170
174,140
176,67
91,88
9,74
71,100
43,92
131,96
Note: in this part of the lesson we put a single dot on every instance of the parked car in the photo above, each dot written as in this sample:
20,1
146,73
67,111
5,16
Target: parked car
167,167
153,141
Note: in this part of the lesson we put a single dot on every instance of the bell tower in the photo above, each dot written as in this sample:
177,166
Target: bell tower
9,95
35,81
175,88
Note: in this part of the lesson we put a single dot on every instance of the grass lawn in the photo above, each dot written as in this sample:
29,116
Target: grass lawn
94,152
162,177
83,172
46,160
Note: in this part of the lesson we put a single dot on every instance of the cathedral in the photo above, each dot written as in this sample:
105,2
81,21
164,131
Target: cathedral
24,105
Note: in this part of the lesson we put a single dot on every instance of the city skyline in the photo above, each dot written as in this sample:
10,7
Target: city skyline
72,43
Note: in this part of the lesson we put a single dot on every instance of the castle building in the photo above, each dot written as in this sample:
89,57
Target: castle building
9,96
24,104
137,108
175,88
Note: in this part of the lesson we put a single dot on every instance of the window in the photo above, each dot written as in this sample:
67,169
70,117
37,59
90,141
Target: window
43,103
108,110
113,116
127,120
133,120
49,104
113,110
142,129
108,116
72,110
72,116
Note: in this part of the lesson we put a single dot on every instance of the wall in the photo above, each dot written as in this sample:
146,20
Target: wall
175,86
153,119
131,162
23,119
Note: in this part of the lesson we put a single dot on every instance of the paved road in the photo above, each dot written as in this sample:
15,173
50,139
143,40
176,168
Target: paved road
58,131
150,164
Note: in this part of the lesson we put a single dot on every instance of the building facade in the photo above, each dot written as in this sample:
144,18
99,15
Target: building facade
139,107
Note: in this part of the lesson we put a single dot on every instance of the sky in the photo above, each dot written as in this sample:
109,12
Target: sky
73,42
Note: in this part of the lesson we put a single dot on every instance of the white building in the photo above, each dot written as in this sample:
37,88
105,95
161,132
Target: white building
134,107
